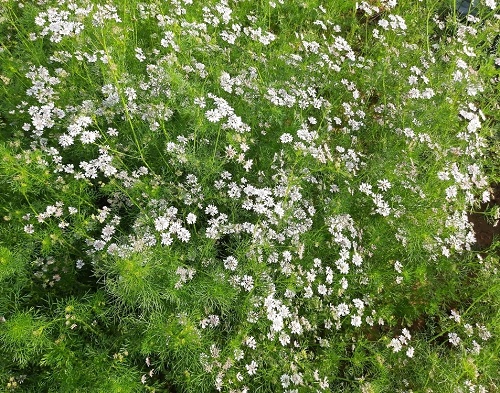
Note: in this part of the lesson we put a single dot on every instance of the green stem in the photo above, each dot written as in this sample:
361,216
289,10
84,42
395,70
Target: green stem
128,117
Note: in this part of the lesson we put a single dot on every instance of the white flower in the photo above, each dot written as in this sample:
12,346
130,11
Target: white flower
212,210
297,378
445,251
342,309
277,321
166,239
213,115
455,316
383,23
343,267
139,54
451,193
365,188
491,3
252,368
285,380
214,351
99,245
250,342
454,339
410,351
483,332
214,320
89,137
248,165
162,223
191,218
231,263
168,40
108,231
295,327
357,260
183,235
238,354
476,348
247,283
284,338
359,304
29,229
384,184
65,140
395,344
200,101
356,320
322,289
468,329
286,138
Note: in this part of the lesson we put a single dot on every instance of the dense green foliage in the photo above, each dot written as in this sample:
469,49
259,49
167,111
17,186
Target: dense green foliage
249,196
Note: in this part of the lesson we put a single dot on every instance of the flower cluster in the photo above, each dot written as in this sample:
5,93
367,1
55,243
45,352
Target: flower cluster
265,191
399,342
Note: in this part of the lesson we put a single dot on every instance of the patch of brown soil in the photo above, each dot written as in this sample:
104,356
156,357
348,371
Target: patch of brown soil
485,231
